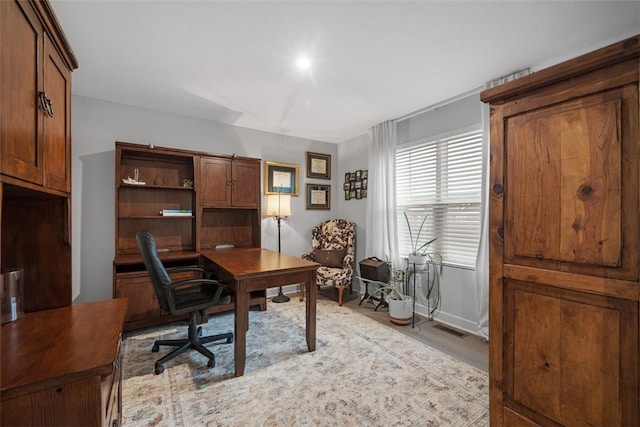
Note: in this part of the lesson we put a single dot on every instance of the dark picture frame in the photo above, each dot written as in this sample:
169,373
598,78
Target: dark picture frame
281,178
318,196
356,184
318,165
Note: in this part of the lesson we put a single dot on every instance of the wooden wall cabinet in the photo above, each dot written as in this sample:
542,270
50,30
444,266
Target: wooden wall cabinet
564,264
35,151
223,194
237,182
35,96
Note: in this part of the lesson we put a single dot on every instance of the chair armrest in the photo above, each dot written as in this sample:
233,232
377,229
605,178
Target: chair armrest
309,256
194,281
183,284
183,269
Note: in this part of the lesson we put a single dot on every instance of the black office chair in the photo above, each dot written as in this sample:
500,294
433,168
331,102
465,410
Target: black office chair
185,296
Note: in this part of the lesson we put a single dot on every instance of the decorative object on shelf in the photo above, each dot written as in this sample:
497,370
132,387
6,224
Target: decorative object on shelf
318,165
187,183
136,179
280,178
12,282
176,212
318,196
355,184
279,207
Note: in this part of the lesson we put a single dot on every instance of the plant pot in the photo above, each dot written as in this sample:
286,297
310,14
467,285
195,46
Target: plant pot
417,261
400,310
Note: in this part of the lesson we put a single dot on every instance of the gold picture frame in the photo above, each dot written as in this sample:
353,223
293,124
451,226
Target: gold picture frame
281,178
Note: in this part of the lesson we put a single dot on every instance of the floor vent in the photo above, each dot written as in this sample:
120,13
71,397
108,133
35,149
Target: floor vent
451,331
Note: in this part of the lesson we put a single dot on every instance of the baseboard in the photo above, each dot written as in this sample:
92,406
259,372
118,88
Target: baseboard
448,319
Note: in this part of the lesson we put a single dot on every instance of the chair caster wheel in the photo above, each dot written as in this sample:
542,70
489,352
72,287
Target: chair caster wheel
199,331
229,340
159,369
211,363
155,348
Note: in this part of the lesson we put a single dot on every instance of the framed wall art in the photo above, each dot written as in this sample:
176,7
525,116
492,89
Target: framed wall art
318,165
318,196
355,184
280,178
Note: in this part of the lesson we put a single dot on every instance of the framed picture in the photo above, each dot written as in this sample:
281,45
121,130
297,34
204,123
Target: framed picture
347,177
365,174
318,165
318,196
347,195
280,178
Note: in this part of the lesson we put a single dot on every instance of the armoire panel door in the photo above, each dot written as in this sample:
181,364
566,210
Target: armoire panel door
565,205
570,357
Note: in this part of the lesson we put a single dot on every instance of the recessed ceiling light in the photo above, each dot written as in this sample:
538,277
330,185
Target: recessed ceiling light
303,63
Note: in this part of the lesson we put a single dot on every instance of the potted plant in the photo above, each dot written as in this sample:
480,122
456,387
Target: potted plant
419,255
426,263
400,304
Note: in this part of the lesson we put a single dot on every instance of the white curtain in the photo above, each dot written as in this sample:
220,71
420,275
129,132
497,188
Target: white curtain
382,236
482,260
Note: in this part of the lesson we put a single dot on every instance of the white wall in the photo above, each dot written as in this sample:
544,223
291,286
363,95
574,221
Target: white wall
96,125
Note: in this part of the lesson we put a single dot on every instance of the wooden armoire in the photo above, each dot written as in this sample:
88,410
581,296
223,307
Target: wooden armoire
564,270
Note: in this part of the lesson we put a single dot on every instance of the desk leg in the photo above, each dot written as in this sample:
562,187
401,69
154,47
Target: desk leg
311,291
241,326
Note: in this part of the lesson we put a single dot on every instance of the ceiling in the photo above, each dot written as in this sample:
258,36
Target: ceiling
234,61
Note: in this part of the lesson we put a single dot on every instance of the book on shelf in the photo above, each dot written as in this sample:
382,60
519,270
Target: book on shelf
176,212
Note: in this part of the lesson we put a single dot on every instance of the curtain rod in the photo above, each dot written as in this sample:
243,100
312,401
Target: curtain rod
440,104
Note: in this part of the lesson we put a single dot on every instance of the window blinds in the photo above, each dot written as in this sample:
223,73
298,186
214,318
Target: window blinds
442,179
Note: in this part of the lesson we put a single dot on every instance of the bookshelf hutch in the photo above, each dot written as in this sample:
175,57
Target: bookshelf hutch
221,191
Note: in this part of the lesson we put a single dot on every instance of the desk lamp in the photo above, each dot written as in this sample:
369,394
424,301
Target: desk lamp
279,207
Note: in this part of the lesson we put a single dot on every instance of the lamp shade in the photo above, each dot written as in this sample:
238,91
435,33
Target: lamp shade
278,205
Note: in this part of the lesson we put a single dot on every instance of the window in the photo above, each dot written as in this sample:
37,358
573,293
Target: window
442,179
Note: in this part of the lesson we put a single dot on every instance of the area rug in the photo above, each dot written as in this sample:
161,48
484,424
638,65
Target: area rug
362,373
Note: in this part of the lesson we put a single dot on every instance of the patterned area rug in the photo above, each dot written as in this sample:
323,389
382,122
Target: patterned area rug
361,374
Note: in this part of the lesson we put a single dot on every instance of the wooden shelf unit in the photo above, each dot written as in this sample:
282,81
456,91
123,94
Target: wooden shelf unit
224,199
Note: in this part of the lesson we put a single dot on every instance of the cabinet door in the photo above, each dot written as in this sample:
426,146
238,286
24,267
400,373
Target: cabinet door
57,127
566,205
142,302
246,184
20,117
570,357
215,182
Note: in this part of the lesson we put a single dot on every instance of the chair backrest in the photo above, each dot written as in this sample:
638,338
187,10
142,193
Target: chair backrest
335,234
157,273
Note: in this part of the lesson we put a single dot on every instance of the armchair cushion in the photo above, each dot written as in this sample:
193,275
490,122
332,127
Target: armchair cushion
330,257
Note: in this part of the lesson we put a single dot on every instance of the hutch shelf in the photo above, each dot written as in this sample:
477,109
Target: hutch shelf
218,200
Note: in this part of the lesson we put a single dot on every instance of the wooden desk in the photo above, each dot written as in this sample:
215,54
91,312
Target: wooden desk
62,366
253,269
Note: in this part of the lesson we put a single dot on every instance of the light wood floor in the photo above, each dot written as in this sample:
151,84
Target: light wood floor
464,346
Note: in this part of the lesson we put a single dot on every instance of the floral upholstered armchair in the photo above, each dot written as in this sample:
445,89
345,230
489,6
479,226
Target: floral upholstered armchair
333,244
